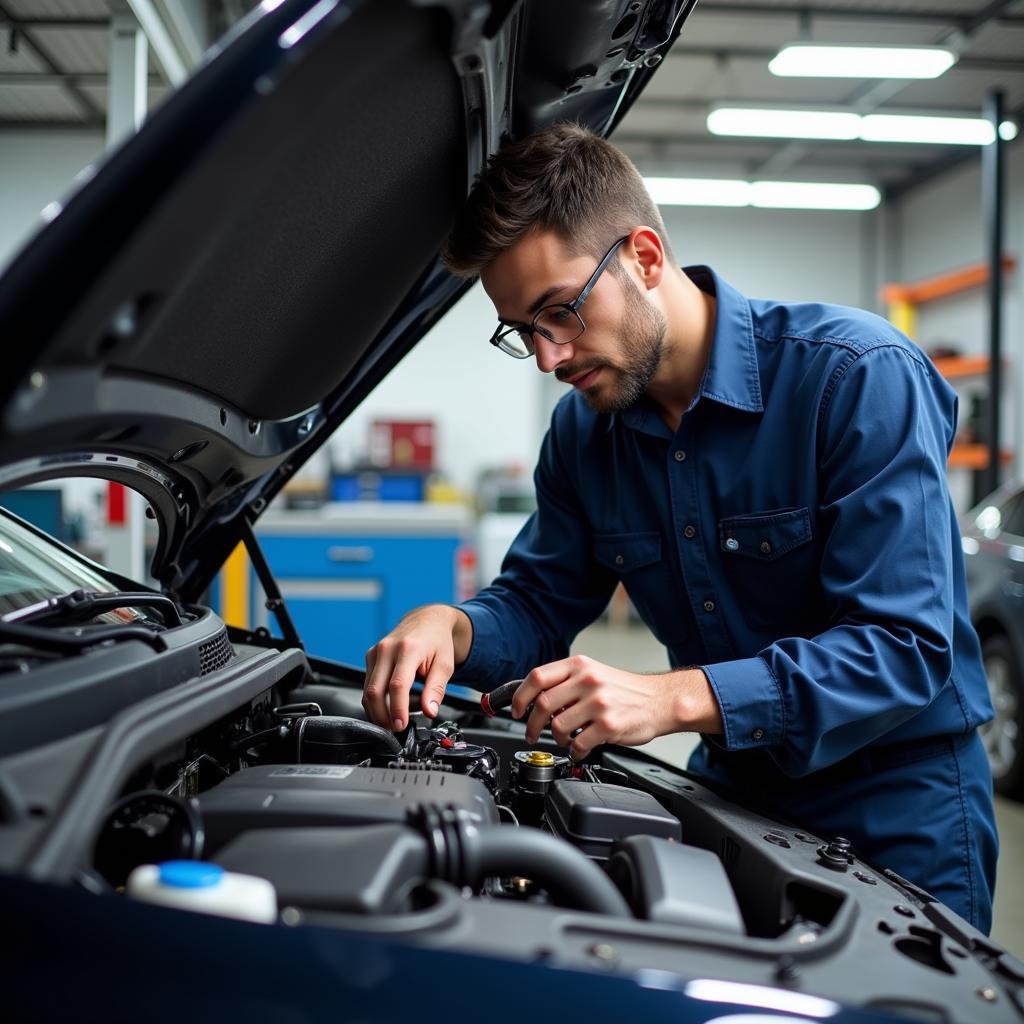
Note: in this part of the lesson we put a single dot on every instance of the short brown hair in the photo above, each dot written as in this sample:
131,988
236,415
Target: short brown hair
565,179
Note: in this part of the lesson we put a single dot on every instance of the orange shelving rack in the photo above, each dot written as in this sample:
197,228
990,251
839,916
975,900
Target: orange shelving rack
902,301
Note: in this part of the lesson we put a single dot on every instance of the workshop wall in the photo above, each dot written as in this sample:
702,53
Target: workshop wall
486,406
940,227
491,410
35,169
812,255
802,255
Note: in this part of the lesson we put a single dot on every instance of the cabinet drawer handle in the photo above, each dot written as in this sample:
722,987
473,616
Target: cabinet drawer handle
338,553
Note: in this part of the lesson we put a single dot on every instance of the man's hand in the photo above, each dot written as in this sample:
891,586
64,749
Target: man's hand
429,642
610,705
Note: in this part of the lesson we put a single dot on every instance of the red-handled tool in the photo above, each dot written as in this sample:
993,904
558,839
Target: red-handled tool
499,698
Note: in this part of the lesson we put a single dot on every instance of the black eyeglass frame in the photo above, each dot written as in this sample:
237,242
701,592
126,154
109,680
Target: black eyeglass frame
504,329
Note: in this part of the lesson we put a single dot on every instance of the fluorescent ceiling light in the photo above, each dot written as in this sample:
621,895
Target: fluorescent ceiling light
959,131
805,60
835,124
791,195
813,195
698,191
789,124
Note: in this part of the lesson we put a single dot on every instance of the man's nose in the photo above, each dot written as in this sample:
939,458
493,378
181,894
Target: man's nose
549,355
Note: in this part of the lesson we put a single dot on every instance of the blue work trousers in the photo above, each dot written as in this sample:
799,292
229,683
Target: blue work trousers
923,810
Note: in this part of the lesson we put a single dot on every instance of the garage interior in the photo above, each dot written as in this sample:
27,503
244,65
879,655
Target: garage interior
446,462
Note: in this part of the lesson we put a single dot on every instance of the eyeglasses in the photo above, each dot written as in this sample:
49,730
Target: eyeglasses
559,323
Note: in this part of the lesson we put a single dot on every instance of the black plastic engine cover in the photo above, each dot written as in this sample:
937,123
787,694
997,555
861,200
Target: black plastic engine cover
593,815
310,795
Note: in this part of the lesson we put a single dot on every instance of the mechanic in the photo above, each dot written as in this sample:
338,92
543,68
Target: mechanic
768,481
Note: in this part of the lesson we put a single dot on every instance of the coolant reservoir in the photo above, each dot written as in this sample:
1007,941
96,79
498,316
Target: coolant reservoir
197,885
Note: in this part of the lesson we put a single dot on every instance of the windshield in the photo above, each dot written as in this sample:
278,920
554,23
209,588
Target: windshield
32,569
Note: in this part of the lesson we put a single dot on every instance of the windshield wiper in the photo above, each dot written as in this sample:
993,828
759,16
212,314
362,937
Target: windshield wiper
41,638
84,604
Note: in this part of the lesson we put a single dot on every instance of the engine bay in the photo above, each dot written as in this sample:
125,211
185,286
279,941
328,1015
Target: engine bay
457,835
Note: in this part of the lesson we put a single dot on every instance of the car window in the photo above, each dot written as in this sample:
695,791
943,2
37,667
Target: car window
1008,517
32,570
1012,515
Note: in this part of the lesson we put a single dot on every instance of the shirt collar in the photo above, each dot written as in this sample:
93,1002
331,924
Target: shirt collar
731,377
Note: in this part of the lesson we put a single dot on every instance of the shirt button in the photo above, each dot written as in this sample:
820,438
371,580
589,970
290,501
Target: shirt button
689,533
757,734
709,606
732,544
619,559
766,548
680,455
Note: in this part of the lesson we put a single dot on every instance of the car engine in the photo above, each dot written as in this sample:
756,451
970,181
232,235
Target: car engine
456,835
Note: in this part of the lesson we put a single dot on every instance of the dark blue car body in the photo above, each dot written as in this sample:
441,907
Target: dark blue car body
196,320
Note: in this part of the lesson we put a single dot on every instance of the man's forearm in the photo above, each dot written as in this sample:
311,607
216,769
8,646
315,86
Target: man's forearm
462,635
696,707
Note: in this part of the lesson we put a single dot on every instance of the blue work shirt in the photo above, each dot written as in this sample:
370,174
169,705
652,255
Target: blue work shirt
794,538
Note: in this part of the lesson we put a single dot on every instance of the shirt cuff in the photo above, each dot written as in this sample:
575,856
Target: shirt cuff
484,660
751,701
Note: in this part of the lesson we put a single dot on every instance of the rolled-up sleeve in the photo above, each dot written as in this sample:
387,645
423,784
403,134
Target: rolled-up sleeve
885,426
550,586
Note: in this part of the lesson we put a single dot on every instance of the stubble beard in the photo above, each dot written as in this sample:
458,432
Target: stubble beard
642,333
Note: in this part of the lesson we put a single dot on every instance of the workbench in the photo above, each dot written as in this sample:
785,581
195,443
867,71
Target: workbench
350,570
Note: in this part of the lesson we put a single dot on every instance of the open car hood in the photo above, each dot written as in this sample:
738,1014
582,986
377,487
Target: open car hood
216,297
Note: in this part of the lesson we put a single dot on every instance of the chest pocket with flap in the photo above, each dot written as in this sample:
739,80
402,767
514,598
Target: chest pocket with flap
771,566
624,552
765,535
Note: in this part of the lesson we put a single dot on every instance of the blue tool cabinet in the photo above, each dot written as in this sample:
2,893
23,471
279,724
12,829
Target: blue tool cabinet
349,571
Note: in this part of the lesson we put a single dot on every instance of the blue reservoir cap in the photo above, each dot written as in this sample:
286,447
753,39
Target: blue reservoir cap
190,874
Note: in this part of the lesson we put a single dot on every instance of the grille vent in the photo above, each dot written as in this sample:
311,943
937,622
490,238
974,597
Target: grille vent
215,654
406,777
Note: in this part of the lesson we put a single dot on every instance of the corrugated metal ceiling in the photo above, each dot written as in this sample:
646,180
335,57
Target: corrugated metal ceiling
722,56
58,8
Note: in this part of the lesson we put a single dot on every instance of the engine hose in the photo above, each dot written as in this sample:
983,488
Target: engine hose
326,737
568,875
462,853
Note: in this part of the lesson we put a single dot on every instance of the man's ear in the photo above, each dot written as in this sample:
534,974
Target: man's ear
647,254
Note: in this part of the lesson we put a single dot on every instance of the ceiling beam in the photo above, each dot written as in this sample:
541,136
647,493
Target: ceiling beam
158,32
59,125
691,138
868,98
85,104
684,104
55,22
934,169
766,53
798,11
94,78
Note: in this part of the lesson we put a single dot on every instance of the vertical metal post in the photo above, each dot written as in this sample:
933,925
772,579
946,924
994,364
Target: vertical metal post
127,100
127,96
992,203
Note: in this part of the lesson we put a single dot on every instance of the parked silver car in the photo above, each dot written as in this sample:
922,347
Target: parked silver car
993,542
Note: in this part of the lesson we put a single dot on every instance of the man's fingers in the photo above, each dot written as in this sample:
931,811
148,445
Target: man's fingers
434,686
585,742
407,664
378,665
538,680
548,704
567,720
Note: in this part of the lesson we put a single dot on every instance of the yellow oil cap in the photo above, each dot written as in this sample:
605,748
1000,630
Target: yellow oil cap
540,758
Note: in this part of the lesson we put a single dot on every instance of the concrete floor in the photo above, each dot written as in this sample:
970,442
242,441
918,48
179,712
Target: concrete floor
632,647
